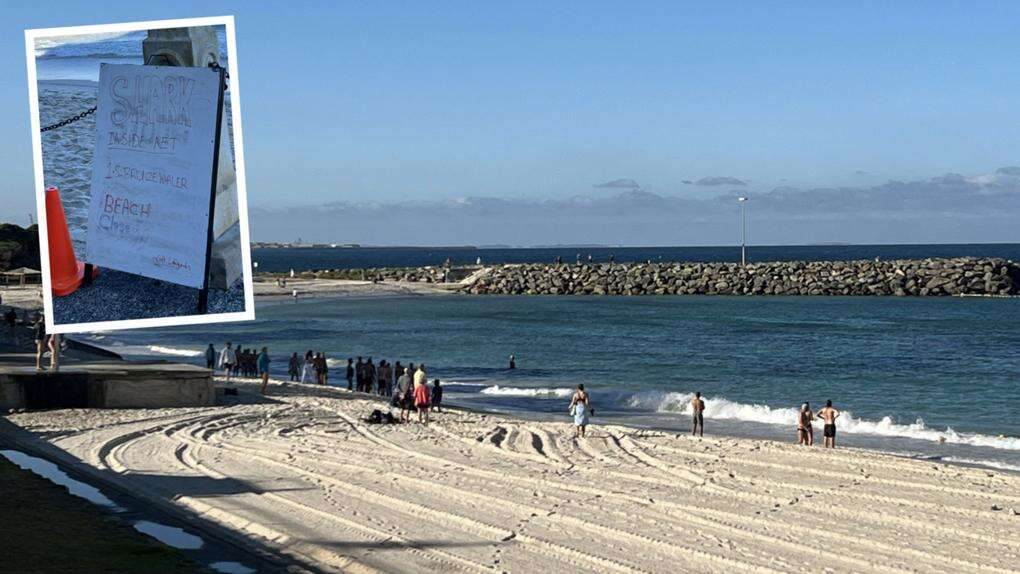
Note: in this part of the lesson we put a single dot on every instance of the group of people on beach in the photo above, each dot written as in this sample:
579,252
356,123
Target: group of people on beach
805,417
407,387
312,368
239,362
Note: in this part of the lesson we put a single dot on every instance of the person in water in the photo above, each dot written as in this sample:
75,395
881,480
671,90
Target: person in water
263,366
513,362
294,367
805,432
829,414
580,407
210,357
698,415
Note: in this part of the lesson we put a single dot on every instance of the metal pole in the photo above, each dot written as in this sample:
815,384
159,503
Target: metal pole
743,234
743,231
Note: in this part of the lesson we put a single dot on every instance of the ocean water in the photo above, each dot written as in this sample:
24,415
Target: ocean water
935,377
302,259
78,57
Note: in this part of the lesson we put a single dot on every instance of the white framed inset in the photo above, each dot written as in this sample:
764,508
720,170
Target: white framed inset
32,40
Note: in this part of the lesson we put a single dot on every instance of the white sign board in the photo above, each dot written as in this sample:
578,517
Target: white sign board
152,172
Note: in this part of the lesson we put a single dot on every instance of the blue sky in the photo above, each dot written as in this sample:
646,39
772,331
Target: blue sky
384,106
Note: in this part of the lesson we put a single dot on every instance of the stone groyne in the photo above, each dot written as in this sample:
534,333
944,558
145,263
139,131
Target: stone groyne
927,277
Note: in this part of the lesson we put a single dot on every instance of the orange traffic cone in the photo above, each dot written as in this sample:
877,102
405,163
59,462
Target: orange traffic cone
66,272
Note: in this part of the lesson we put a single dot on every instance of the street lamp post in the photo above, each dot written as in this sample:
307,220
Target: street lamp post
743,231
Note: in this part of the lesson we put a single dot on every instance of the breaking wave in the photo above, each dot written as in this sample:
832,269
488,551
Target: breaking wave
721,408
525,392
174,351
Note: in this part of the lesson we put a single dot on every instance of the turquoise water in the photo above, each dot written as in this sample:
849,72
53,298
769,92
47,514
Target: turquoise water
889,363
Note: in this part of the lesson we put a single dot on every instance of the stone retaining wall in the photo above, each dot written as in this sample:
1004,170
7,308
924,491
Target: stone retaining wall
928,277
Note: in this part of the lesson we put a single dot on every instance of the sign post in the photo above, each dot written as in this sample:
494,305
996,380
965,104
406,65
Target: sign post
158,131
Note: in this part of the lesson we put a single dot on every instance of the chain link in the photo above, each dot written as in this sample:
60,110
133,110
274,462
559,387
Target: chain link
69,120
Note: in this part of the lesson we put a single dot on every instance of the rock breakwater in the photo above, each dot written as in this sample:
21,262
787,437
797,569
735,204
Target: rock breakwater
921,278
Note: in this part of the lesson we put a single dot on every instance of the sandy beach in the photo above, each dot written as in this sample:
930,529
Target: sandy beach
315,287
300,472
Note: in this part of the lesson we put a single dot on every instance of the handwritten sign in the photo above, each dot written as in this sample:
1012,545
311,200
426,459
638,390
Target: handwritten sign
152,171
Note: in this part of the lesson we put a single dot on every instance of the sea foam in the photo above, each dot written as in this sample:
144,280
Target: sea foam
722,408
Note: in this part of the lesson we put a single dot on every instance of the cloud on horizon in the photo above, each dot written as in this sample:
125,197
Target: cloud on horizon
976,208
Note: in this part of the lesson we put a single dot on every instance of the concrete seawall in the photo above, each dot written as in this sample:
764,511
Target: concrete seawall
927,277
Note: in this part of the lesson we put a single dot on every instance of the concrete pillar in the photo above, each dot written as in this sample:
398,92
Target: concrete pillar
198,47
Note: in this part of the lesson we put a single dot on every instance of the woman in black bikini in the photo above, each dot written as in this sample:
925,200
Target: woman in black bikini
805,432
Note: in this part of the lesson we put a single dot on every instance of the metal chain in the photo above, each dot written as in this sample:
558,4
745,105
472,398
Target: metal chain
69,120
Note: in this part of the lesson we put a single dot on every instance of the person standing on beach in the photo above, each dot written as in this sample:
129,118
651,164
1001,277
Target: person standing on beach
404,396
325,369
319,362
805,432
421,395
359,375
40,340
210,357
227,359
369,376
698,414
294,367
437,396
580,406
385,376
308,368
420,376
350,374
829,414
263,366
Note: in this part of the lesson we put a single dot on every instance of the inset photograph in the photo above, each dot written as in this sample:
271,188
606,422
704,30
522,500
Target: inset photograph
139,174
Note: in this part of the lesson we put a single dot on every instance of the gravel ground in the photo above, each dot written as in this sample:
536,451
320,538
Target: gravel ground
116,296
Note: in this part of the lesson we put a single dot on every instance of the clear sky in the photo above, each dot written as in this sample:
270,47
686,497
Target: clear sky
526,103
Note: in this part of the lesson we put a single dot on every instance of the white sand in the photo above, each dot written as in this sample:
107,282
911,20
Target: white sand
476,492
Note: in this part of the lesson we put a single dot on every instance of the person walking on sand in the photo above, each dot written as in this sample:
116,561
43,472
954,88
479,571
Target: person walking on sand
263,366
805,433
421,396
405,396
698,414
350,374
294,367
210,357
829,414
227,359
437,396
580,407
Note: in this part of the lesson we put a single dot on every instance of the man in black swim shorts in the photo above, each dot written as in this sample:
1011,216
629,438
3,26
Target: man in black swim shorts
829,414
